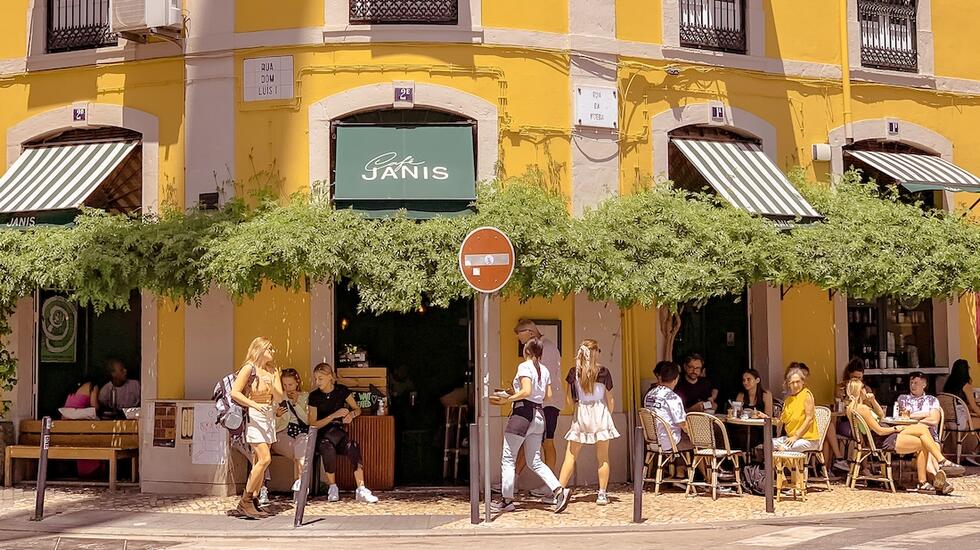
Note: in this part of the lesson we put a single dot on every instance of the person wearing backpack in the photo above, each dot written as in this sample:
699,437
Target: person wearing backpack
291,426
257,387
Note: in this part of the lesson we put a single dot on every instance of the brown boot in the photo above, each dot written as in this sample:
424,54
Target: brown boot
247,508
262,513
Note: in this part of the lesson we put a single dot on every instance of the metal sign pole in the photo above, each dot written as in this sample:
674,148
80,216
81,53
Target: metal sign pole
485,400
306,477
639,455
42,469
767,451
474,474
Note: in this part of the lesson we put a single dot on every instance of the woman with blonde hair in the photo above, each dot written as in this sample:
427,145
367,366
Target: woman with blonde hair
904,440
257,386
291,423
798,416
589,385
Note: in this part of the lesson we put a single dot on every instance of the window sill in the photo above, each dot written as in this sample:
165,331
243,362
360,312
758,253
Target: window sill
124,51
897,78
465,33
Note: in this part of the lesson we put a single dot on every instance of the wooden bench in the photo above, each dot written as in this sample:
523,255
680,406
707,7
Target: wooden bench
109,440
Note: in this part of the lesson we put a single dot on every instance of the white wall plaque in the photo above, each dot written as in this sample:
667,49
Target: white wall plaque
268,78
596,106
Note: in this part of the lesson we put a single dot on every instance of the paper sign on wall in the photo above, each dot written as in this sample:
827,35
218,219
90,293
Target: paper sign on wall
210,441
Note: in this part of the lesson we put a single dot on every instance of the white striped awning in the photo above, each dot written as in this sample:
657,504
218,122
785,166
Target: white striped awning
745,177
920,172
59,177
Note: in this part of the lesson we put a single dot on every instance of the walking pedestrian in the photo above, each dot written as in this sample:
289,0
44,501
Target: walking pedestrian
257,386
526,427
590,389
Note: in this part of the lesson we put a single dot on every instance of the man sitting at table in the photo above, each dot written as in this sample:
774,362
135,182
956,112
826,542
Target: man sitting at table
662,400
919,405
696,391
120,392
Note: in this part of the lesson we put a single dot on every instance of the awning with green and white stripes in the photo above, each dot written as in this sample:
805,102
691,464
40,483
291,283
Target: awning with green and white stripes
745,177
59,177
920,172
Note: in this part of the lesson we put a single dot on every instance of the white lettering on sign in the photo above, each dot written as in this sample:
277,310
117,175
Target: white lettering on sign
597,107
22,221
268,78
387,166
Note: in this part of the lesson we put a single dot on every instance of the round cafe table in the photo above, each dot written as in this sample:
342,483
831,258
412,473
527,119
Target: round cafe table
898,421
739,421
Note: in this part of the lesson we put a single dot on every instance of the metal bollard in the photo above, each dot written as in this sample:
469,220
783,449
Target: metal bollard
42,468
306,477
767,452
639,456
474,474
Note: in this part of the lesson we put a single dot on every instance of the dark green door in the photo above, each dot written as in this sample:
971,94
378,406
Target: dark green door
719,331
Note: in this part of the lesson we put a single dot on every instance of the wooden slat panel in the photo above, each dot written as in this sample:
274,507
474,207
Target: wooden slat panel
85,440
376,436
83,426
64,453
344,372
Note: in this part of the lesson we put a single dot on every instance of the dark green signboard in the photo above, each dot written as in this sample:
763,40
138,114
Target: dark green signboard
27,220
427,168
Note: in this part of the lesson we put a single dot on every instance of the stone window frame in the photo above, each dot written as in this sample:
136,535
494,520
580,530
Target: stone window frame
337,26
925,50
755,36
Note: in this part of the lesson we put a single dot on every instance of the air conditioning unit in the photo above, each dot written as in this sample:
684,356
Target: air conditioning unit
143,17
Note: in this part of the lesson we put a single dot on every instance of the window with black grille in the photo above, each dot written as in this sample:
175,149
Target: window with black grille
888,29
402,12
713,25
78,25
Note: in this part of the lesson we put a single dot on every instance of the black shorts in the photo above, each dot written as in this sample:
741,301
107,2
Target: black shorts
551,421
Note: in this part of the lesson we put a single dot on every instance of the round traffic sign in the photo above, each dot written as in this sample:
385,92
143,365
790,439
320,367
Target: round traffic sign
486,259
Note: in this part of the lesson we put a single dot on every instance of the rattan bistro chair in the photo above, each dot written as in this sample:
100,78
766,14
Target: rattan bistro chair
659,459
822,416
866,452
712,455
958,424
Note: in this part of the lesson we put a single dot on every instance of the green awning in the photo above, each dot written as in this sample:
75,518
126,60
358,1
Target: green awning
920,172
427,170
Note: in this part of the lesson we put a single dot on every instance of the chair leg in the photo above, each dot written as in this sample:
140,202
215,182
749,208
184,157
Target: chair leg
660,475
112,474
738,475
714,479
690,477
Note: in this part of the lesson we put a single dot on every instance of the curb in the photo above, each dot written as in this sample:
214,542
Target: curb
21,525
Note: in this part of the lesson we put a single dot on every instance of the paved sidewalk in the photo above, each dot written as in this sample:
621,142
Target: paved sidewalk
68,509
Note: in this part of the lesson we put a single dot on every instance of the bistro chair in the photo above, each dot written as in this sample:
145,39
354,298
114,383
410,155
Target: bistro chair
665,458
867,453
709,454
958,424
823,417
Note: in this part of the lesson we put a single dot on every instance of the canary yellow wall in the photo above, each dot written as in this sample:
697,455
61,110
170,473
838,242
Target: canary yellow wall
955,38
546,15
803,34
533,132
13,29
639,352
282,316
263,15
808,337
170,350
639,21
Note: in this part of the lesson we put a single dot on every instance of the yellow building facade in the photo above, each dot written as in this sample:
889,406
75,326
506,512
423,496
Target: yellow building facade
513,69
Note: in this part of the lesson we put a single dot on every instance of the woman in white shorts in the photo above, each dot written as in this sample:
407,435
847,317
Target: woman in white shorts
257,387
291,426
798,417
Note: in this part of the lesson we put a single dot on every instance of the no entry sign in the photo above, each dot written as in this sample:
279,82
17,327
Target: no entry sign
486,259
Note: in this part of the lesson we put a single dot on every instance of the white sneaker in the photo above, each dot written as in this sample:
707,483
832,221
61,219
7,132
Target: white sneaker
500,506
602,499
333,494
295,487
263,496
842,465
363,494
542,491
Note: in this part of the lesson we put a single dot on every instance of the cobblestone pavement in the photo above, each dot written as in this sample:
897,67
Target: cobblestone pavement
671,508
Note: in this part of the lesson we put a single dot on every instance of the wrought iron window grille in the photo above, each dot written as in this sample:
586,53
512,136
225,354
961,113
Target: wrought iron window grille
713,25
412,12
888,34
78,25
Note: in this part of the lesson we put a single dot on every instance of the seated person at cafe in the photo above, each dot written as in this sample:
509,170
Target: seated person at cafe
696,391
918,405
754,396
798,417
120,392
662,400
331,408
913,439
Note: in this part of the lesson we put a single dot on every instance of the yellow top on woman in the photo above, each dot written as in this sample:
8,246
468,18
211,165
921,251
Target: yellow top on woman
794,415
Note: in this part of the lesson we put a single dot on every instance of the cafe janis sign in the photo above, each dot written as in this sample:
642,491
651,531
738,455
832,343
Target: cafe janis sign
389,166
384,163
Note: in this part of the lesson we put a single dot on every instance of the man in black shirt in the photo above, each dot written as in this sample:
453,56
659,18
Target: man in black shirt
697,392
332,406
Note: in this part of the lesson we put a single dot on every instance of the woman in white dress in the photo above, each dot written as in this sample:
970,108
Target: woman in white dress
592,424
257,387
